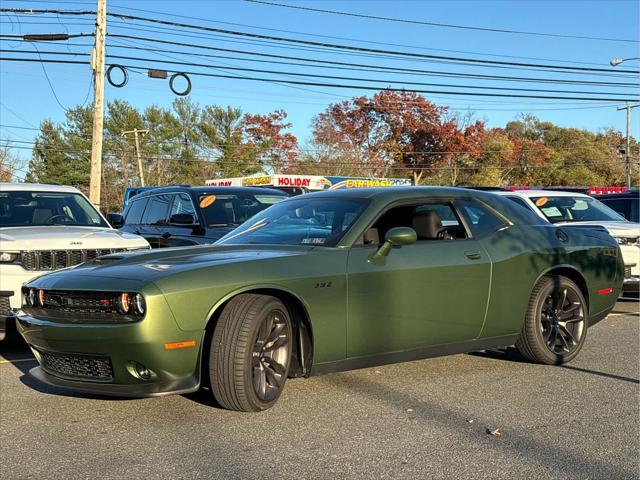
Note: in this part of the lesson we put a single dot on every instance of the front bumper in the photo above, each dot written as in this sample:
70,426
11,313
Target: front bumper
66,350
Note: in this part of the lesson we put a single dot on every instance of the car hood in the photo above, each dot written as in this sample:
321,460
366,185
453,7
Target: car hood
150,265
615,229
67,238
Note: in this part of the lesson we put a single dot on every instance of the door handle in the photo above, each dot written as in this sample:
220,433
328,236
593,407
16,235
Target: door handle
166,235
473,255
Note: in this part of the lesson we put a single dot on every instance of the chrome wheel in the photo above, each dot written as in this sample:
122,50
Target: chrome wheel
562,320
271,356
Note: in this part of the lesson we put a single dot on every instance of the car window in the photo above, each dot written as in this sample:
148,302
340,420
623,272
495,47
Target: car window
182,204
220,210
481,219
305,221
519,201
431,221
24,208
157,210
575,209
133,215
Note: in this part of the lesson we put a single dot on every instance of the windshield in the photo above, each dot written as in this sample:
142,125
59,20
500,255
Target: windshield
225,210
575,209
301,221
26,209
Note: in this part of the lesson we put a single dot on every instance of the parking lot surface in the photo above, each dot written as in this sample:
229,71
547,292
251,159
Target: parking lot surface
424,419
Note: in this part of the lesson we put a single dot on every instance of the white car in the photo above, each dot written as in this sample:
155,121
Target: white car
568,208
45,228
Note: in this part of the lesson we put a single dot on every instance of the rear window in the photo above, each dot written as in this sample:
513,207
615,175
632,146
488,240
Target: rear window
481,219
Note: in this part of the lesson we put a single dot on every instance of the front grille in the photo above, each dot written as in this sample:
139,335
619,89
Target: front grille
89,367
81,302
43,260
5,305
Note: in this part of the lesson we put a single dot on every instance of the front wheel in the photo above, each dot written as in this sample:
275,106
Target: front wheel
250,353
556,322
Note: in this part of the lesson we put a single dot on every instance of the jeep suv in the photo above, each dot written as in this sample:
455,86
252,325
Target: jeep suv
45,228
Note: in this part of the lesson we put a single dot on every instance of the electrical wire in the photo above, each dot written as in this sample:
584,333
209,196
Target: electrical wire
322,44
354,87
308,75
444,25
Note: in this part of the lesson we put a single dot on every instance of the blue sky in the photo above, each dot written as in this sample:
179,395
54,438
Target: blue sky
27,98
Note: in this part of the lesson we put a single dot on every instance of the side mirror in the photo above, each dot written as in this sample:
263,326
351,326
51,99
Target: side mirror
396,236
185,219
115,219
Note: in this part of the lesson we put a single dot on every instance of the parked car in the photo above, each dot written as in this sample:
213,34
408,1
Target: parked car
45,228
626,204
180,216
325,282
568,208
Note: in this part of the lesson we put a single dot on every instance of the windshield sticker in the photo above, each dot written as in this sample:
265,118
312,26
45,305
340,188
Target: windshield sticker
541,201
314,241
206,201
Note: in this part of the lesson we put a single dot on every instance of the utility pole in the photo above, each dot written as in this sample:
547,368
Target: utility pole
97,63
627,150
135,132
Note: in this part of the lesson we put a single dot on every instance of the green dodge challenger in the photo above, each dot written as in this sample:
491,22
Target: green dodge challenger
324,282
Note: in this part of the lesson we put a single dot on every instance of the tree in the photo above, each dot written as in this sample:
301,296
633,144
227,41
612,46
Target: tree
10,164
277,150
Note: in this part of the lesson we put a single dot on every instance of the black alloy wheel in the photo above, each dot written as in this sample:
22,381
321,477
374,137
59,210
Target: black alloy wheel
562,321
271,354
556,322
250,352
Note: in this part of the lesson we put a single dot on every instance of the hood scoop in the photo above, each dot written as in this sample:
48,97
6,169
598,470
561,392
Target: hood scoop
108,259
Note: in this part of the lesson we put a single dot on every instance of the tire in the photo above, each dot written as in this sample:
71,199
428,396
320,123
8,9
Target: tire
555,326
250,353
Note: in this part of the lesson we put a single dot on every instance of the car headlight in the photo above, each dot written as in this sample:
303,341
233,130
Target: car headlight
8,257
131,304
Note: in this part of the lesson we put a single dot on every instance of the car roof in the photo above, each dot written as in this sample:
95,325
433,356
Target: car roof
205,189
540,193
36,187
611,196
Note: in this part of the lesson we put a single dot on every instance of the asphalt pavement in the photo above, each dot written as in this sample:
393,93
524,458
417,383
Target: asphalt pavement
424,419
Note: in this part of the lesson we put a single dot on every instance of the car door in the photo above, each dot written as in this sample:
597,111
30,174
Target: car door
429,293
155,216
179,234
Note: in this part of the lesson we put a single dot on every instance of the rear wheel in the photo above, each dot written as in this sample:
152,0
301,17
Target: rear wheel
250,353
555,325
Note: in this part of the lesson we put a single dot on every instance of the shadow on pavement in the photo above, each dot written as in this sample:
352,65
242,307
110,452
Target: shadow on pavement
601,374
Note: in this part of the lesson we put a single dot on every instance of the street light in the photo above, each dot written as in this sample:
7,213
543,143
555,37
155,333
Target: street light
617,61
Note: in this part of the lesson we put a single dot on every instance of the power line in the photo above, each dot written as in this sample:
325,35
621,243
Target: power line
345,86
444,25
309,75
324,44
332,62
207,20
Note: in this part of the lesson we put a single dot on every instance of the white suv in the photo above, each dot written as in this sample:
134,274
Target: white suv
45,228
568,208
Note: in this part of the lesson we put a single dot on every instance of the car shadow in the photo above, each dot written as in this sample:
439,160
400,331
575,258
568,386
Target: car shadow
506,353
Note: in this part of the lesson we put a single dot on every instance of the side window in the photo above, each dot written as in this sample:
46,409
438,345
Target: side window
520,202
431,221
134,212
182,204
157,210
481,219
